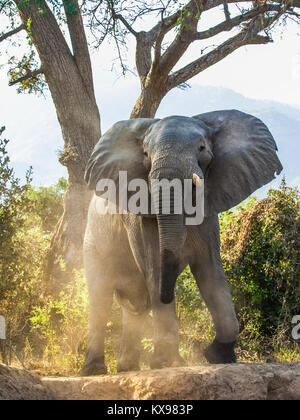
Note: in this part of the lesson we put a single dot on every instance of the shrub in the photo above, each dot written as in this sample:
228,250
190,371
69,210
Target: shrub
20,259
261,254
24,240
47,203
62,324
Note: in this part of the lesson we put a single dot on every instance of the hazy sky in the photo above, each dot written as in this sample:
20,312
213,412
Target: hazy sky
269,72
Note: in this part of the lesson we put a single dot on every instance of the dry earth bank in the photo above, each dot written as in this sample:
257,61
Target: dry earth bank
239,382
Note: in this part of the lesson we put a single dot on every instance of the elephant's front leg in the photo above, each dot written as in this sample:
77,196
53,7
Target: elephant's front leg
214,290
210,277
166,338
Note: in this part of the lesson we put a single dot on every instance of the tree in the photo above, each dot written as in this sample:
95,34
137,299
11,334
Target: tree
159,50
68,73
47,203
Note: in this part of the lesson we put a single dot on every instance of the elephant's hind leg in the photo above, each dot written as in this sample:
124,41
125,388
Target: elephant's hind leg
135,303
130,349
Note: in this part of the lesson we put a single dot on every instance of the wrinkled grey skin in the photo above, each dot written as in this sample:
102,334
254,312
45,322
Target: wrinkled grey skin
140,257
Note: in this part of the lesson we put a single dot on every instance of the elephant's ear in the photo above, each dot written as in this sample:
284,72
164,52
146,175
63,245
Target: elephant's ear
244,158
119,149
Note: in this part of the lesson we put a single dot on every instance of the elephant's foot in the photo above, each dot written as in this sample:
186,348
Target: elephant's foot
94,367
219,353
128,361
159,360
126,365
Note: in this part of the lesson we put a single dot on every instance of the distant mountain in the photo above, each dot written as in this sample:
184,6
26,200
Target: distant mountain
37,143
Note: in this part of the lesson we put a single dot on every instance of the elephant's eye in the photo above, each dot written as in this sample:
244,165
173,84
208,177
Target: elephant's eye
201,148
146,154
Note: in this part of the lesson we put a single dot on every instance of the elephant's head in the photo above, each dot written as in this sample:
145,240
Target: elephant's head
234,152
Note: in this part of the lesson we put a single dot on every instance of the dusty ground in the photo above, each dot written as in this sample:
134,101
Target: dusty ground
18,384
238,382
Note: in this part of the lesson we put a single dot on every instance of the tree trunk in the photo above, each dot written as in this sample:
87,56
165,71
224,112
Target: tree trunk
80,124
65,252
79,118
69,77
148,102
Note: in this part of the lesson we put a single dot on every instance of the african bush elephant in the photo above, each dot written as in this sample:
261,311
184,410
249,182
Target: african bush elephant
139,257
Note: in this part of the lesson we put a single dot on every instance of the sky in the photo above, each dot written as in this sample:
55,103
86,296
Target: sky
265,72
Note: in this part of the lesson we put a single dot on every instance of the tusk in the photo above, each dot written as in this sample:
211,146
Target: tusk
198,182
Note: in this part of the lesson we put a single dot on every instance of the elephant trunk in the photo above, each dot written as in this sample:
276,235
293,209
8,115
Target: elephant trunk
171,233
170,238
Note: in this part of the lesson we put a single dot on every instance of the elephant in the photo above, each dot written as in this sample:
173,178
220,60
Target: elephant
139,256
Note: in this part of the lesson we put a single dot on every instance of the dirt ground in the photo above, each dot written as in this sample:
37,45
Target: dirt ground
214,382
19,384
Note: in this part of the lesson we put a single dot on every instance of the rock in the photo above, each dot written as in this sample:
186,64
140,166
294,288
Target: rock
222,382
19,384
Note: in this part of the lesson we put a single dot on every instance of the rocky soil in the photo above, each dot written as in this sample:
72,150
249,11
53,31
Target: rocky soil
222,382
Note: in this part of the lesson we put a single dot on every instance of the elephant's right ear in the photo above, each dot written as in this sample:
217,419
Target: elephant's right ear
119,149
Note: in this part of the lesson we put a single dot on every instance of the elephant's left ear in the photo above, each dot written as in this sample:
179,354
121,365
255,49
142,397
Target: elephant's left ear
244,159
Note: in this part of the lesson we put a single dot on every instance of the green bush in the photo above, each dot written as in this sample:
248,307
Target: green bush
261,254
20,241
24,240
62,324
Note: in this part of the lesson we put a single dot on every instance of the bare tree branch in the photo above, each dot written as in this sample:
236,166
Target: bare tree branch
126,24
157,48
165,24
227,25
293,13
145,42
159,32
184,37
143,55
12,32
226,10
210,4
118,49
3,4
213,57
